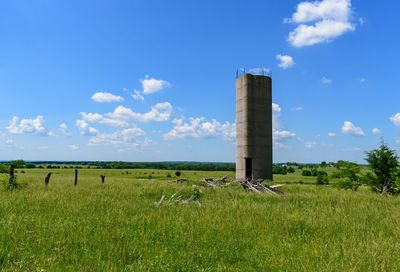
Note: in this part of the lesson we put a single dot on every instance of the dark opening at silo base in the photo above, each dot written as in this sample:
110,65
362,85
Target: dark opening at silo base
249,168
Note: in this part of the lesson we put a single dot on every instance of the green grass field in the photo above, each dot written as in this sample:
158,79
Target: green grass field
117,226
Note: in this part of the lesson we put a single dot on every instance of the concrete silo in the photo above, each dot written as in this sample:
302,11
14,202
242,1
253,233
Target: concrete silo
254,125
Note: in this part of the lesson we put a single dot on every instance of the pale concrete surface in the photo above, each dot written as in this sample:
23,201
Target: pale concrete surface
254,125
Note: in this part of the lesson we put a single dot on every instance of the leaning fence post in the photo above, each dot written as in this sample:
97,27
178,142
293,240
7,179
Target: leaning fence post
76,177
47,179
12,180
12,167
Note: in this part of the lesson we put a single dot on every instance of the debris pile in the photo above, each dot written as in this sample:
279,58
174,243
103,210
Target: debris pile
256,185
216,182
182,180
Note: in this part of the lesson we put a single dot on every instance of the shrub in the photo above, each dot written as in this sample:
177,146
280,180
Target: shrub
4,168
349,170
279,170
168,175
314,172
322,178
306,173
385,166
11,184
178,173
336,175
291,170
18,163
30,165
348,185
350,173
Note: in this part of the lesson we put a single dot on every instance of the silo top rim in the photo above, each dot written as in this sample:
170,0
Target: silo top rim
254,71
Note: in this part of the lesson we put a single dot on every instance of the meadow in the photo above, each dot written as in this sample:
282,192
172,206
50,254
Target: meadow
118,226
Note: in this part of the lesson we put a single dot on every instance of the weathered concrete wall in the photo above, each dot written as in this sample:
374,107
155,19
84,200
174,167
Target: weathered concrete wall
254,125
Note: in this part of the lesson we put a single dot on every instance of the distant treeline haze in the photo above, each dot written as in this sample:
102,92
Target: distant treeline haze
279,168
195,166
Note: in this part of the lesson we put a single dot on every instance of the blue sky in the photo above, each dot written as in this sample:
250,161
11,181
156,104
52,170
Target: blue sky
148,80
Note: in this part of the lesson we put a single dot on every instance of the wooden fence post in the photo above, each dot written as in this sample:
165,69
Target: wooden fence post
47,179
76,177
103,178
12,167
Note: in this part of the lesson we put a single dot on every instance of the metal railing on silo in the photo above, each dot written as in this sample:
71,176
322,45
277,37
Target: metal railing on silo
253,71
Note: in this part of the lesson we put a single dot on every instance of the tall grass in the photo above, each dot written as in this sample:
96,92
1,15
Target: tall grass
116,226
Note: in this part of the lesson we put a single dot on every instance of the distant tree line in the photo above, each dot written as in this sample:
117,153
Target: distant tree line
282,169
278,168
195,166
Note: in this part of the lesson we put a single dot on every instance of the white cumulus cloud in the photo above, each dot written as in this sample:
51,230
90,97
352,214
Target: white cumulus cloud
105,97
123,116
64,129
395,119
310,145
285,61
85,129
320,21
152,85
279,134
9,142
74,147
103,119
297,109
200,127
23,126
160,112
129,139
376,131
276,108
326,9
137,96
350,129
326,81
